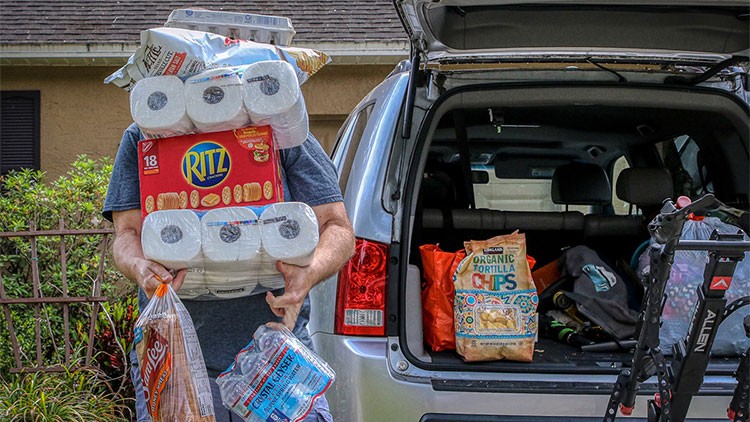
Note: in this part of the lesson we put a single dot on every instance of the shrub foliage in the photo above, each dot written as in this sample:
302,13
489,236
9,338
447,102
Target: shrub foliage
27,199
74,395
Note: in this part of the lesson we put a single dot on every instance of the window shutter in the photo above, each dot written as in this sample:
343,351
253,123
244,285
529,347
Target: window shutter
19,130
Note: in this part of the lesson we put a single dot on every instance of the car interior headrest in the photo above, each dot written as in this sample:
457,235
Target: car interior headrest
644,187
580,184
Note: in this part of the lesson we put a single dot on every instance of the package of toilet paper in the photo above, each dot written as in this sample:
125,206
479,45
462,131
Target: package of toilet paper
231,252
184,53
214,100
266,93
210,170
158,107
272,97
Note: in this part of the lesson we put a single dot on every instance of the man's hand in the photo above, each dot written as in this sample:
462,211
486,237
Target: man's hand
297,283
149,275
129,258
335,247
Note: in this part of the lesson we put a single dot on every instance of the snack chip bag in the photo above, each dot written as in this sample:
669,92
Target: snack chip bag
184,53
175,381
496,300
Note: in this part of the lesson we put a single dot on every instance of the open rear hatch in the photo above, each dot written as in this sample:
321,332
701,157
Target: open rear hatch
661,31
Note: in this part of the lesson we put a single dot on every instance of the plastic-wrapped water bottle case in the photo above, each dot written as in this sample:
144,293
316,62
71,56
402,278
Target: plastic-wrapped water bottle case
274,378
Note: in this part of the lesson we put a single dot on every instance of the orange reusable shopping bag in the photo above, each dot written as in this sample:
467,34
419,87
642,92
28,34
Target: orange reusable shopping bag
437,296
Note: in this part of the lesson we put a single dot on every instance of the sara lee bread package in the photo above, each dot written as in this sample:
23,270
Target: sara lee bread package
173,373
495,302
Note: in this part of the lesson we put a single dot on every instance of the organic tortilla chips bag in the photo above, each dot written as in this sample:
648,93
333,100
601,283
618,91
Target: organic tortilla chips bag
495,302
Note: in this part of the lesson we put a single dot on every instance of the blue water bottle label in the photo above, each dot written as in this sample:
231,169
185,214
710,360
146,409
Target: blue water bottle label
284,388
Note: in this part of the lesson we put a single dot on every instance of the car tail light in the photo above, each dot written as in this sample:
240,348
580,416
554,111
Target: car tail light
360,300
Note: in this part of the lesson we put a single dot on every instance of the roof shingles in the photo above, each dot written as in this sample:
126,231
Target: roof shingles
35,22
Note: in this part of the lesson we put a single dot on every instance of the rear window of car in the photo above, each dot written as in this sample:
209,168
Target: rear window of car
348,142
507,194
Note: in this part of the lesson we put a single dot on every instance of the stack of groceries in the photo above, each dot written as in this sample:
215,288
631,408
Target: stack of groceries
485,303
215,113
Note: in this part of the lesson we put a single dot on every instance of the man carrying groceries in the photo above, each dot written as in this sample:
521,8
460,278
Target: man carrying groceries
224,326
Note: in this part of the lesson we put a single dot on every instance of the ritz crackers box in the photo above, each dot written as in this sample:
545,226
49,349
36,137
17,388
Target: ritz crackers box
209,170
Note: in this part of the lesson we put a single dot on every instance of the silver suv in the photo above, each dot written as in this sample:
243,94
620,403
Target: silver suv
650,88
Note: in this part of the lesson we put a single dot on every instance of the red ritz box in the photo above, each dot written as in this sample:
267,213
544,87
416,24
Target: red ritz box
209,170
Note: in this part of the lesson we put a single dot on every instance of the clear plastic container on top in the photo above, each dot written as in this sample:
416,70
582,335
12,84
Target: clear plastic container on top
245,26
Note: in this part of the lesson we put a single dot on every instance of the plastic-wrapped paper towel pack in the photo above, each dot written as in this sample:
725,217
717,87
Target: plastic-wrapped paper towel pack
230,251
264,93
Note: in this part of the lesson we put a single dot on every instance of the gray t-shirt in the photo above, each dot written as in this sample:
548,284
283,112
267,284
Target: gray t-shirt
225,326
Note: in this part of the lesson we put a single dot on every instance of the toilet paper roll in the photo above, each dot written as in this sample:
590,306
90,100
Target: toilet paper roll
157,105
172,238
270,88
272,96
213,100
230,236
289,232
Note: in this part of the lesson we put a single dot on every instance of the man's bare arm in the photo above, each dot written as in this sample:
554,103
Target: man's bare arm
129,258
335,248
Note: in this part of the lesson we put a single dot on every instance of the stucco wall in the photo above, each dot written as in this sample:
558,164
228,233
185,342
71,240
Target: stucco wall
81,115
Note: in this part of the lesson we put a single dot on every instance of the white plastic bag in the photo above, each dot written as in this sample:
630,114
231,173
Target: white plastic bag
684,279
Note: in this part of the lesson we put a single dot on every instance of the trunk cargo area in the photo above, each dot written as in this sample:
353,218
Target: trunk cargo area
516,139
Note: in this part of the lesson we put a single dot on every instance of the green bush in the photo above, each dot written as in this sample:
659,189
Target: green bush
73,395
76,198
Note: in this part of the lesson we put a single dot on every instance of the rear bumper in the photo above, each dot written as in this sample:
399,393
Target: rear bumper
368,389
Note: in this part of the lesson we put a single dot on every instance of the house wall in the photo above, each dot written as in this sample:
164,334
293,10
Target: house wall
81,115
